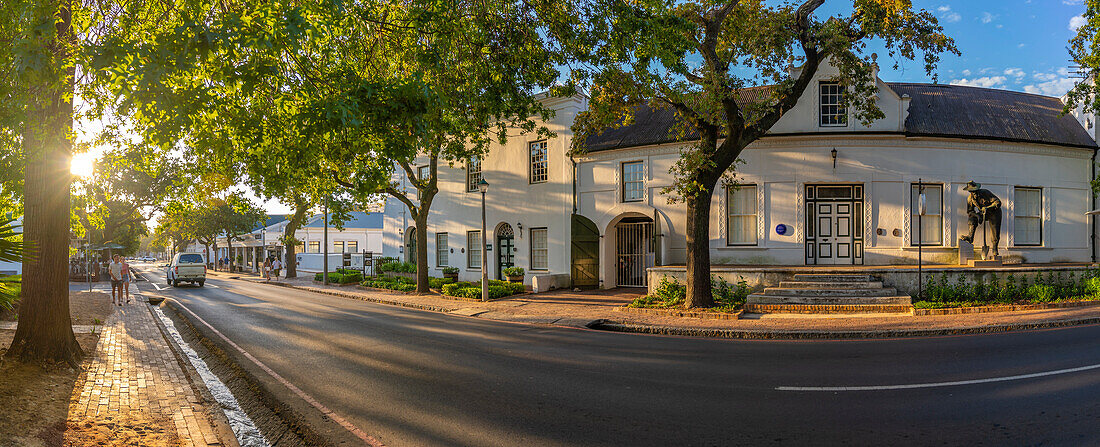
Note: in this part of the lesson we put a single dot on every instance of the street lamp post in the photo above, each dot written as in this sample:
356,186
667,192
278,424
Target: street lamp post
483,186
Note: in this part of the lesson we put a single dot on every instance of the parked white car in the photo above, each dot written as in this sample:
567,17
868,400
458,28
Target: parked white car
187,267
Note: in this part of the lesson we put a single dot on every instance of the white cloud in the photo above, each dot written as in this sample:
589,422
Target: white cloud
1076,22
986,17
984,81
1073,2
1020,45
948,15
1051,84
966,72
1015,72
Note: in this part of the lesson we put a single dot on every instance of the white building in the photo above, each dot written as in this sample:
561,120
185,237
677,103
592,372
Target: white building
361,232
13,268
819,189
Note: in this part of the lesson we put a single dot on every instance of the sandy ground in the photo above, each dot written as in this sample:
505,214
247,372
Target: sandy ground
34,399
84,307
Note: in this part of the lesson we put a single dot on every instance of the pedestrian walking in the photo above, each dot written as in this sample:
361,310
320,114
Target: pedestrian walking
276,266
125,279
267,268
115,270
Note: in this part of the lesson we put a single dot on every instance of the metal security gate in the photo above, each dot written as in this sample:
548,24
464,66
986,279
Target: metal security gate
635,252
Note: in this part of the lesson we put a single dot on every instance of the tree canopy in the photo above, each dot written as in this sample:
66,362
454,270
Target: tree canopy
699,58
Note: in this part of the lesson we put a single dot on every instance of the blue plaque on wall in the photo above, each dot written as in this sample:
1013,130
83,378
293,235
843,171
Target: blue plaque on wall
780,229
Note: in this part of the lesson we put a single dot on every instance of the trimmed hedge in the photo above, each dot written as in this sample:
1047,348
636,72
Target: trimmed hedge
394,266
351,277
472,290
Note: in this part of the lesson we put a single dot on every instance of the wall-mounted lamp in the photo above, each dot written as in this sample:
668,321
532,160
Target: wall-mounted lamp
520,226
834,158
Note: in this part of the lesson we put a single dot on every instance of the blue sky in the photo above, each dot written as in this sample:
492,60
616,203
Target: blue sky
1008,44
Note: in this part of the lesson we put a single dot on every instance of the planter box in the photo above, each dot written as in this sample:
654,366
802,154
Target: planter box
516,279
452,276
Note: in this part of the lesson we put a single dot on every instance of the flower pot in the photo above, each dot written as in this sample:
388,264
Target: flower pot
452,276
515,278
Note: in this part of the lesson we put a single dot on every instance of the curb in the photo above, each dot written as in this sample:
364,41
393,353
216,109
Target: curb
311,426
213,409
681,313
747,334
1004,308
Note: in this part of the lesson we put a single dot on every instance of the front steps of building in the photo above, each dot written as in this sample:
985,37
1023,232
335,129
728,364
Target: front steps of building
829,293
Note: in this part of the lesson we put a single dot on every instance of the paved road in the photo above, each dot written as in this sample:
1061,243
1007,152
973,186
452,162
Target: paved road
414,378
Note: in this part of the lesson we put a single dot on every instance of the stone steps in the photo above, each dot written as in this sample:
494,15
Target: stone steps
829,293
830,284
831,300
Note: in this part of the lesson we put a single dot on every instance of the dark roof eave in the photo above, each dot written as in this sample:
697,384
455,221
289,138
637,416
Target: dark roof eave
869,133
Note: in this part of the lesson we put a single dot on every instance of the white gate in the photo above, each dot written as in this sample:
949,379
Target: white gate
634,242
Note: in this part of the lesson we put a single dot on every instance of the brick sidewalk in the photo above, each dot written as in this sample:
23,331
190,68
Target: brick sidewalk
134,372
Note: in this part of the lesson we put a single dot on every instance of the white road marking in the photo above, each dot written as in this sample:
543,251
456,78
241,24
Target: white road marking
937,384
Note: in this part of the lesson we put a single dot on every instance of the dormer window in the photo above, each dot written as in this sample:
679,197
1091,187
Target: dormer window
833,111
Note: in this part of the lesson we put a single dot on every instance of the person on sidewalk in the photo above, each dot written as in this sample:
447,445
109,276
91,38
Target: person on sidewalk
276,266
115,270
267,268
125,279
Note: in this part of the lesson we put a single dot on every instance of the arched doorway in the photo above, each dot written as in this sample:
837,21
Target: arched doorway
584,270
410,245
634,250
506,248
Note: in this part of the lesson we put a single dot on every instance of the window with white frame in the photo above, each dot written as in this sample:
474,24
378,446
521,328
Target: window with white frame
930,225
539,169
338,246
473,250
540,250
314,246
741,215
473,173
633,181
423,173
833,111
442,252
1028,211
353,247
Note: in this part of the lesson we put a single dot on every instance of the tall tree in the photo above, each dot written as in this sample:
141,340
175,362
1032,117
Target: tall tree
699,57
481,64
37,47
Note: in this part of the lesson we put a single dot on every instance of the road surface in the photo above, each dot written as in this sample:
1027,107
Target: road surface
417,378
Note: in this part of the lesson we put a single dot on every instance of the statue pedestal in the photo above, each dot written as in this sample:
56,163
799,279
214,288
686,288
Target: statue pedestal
966,252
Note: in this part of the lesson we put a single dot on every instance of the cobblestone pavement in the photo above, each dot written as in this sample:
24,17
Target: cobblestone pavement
134,371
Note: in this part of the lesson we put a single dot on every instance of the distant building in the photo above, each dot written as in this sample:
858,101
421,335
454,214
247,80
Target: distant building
13,268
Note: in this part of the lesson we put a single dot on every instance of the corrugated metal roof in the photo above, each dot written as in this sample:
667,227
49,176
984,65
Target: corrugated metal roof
935,110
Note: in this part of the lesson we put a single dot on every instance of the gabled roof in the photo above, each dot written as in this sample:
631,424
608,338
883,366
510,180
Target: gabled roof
271,220
934,110
357,219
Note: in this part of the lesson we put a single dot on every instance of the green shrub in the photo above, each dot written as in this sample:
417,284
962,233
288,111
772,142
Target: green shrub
437,283
344,271
450,270
727,296
1041,293
513,271
351,277
394,266
472,290
1092,286
332,277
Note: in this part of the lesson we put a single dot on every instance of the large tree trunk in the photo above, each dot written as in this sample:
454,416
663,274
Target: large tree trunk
421,229
44,331
699,293
289,239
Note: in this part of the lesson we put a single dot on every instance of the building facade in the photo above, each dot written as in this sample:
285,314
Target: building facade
820,189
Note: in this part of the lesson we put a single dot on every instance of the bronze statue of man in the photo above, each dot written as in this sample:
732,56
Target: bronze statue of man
982,206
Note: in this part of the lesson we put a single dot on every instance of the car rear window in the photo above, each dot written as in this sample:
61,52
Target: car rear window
190,259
